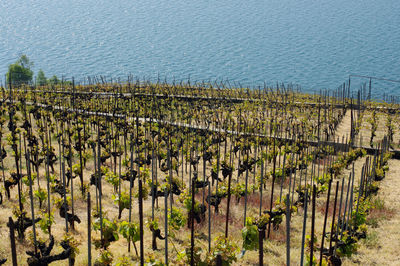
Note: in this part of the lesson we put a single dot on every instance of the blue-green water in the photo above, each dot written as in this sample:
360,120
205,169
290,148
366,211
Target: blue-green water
316,44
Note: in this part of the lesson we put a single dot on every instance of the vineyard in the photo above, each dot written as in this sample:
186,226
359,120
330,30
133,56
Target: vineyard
181,174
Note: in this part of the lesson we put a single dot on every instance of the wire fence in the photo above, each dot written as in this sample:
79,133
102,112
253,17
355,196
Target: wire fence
369,87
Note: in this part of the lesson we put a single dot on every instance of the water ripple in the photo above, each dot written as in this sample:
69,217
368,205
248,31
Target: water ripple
314,43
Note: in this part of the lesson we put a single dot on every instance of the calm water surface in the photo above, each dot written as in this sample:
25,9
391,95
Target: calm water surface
316,44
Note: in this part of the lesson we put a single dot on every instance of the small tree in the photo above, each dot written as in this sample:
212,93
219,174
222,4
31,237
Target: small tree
20,72
41,79
54,80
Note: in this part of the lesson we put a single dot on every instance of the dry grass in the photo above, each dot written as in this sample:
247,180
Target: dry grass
383,242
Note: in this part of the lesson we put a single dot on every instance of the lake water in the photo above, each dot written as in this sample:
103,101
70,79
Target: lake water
316,44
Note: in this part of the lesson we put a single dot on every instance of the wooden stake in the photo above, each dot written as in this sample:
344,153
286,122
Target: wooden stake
12,240
89,229
304,228
325,219
141,222
313,224
288,229
333,217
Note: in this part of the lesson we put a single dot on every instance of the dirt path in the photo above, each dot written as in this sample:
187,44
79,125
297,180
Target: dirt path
343,128
382,246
